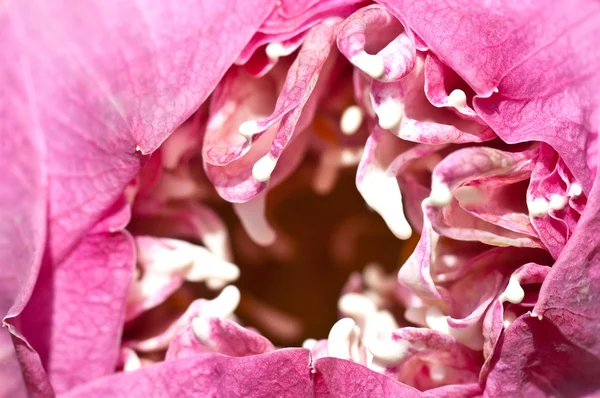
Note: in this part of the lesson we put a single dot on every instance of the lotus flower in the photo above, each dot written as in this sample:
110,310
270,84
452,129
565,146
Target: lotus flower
474,130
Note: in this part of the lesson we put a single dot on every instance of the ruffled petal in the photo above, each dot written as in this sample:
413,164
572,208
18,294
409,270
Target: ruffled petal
241,180
403,109
373,41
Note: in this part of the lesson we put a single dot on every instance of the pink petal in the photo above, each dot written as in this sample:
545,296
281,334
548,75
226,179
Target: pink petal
482,181
517,47
373,41
340,378
552,185
241,180
221,336
457,390
75,316
11,375
444,88
535,358
556,350
403,108
131,79
22,206
283,373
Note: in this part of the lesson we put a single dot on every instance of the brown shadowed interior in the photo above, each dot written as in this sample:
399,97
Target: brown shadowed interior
290,290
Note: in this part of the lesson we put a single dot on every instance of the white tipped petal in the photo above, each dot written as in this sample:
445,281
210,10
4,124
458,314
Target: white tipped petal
538,207
263,168
388,351
440,195
514,293
558,202
382,194
340,338
575,190
224,304
469,195
356,305
390,114
248,129
351,120
372,65
457,99
254,221
275,50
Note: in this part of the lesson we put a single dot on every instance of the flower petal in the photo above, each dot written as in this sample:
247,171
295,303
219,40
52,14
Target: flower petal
341,378
75,316
283,373
541,58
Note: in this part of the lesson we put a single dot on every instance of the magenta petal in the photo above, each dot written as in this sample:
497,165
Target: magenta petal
340,378
75,316
283,373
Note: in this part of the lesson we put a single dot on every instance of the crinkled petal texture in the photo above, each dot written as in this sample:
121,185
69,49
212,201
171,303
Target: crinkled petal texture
82,115
542,61
281,373
560,353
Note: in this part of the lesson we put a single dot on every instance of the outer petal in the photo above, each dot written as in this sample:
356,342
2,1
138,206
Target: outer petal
340,378
283,373
134,85
75,316
22,200
542,58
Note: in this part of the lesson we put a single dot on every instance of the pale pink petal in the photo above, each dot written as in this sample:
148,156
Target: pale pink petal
218,335
244,178
221,306
190,220
475,196
426,359
378,184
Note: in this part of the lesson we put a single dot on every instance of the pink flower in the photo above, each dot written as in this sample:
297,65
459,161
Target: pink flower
473,126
